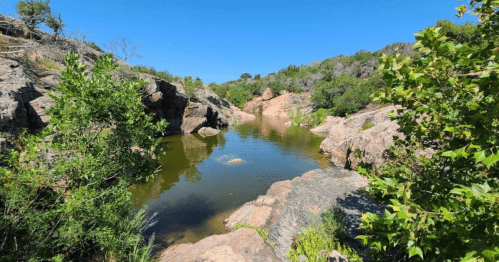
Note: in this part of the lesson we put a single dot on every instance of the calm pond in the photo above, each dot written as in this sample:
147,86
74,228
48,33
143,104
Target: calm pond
197,188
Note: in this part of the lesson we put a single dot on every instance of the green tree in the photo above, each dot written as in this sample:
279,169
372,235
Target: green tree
443,206
55,24
257,77
245,76
66,198
32,12
238,96
198,83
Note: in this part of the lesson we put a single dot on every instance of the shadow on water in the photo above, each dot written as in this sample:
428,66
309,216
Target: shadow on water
199,186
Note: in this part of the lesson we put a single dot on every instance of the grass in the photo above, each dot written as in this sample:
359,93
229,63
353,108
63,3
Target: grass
366,126
327,233
43,63
262,232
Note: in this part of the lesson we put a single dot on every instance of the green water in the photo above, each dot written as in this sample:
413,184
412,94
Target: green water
197,187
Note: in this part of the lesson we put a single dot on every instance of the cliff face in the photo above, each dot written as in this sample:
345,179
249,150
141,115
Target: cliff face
30,67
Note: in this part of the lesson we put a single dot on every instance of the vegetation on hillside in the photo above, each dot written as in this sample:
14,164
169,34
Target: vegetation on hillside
64,192
442,182
318,77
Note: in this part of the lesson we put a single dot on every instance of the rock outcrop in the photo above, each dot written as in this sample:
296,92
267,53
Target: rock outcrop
242,245
267,94
369,132
287,206
25,83
279,106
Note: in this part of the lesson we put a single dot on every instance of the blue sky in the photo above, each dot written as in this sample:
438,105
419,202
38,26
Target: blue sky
220,40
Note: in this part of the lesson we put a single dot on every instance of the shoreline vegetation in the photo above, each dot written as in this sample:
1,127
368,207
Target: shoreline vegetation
64,189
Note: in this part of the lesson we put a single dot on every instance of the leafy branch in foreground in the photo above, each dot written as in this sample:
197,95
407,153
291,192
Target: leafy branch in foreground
443,181
65,197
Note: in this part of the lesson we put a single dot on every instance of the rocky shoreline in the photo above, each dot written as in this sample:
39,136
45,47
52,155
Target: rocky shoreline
283,211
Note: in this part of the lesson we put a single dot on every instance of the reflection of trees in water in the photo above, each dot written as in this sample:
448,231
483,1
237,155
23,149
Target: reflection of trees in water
192,174
292,138
182,154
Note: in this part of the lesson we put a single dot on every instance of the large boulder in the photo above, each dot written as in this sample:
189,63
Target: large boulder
207,131
242,245
287,206
369,132
37,111
267,94
184,115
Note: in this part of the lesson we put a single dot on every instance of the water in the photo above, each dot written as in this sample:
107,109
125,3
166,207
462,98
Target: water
197,187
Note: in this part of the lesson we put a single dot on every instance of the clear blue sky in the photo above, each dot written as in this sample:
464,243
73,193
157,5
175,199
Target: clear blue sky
220,40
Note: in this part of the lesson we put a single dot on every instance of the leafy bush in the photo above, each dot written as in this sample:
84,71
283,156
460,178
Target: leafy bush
67,198
297,117
238,96
443,207
164,74
318,117
327,234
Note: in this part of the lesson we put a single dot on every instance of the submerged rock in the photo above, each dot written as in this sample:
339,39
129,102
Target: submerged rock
235,161
288,205
242,245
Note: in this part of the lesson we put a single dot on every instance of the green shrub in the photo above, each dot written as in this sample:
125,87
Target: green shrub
76,204
297,117
319,116
238,96
366,126
443,206
327,234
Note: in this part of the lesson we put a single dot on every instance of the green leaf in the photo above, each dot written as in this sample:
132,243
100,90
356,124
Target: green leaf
490,160
479,156
413,250
403,214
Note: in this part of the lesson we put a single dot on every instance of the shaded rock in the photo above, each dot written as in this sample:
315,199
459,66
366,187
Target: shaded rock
242,245
208,131
17,90
37,109
287,205
335,256
346,136
194,117
267,94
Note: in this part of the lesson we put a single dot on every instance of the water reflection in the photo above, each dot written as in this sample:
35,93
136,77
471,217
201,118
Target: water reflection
183,153
198,188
